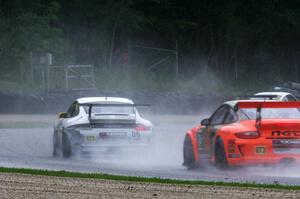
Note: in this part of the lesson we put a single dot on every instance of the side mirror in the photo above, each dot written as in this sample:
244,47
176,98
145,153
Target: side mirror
205,122
63,115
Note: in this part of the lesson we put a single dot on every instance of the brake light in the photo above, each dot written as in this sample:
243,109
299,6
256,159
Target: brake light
141,127
248,135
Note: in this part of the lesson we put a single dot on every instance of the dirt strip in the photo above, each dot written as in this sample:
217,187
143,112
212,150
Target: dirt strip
32,186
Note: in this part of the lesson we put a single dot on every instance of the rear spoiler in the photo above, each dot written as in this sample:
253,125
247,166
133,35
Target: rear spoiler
267,97
260,105
114,104
91,105
267,105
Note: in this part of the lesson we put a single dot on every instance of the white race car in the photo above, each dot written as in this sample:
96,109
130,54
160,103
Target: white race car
94,124
278,96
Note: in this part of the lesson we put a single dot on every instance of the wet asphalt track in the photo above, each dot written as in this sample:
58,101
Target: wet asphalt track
32,148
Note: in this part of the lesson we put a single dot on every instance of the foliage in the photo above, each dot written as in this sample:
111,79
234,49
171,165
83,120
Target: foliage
236,40
26,27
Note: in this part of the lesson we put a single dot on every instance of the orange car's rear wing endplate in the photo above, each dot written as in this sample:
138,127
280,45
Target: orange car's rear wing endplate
267,105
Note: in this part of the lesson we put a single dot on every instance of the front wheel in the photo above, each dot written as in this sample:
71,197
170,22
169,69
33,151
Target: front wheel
188,154
220,155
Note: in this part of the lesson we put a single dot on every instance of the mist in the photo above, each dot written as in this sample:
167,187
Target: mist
184,59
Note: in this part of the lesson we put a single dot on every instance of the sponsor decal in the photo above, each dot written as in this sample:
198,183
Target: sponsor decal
103,135
136,134
285,133
112,134
286,142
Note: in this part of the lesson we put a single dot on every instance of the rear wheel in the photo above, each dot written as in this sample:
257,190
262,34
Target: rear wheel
66,146
220,155
188,154
55,152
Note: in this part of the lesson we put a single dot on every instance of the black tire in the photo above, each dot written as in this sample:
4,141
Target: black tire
55,152
188,154
220,155
66,146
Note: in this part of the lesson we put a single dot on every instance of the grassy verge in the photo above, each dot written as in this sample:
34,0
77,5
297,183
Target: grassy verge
144,179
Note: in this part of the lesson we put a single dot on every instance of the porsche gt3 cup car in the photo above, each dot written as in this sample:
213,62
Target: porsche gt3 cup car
100,123
246,132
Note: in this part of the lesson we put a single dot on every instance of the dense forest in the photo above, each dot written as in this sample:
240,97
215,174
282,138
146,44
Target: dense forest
217,44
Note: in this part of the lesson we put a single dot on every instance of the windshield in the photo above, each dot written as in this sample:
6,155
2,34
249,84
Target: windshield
111,110
271,113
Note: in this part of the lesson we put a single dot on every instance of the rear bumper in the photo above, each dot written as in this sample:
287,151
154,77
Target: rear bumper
256,160
99,139
105,147
260,151
123,144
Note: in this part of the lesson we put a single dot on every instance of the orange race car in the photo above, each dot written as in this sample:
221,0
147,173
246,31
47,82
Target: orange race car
246,132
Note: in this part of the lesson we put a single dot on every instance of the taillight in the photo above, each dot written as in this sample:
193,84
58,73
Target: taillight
141,127
248,135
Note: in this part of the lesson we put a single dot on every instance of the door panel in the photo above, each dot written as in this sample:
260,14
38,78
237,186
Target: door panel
217,120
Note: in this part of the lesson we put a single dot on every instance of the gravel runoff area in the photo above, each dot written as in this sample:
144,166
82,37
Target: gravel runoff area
34,186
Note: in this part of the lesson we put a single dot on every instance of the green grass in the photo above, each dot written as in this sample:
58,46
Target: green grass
144,179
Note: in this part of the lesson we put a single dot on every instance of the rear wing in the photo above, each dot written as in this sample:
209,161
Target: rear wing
253,104
266,97
113,104
91,105
259,105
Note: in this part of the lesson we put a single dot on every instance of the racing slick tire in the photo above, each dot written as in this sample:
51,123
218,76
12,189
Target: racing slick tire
220,155
55,152
188,154
66,146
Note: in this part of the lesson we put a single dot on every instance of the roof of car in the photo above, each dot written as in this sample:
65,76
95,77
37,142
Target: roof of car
273,93
100,100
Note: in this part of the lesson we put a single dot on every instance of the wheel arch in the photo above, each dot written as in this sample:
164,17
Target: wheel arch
225,134
220,137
